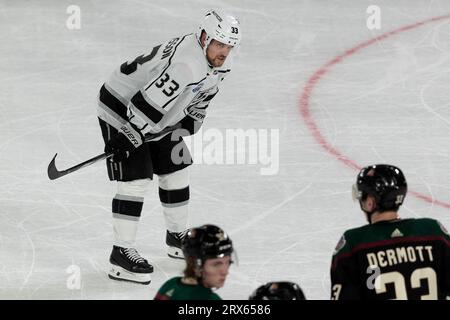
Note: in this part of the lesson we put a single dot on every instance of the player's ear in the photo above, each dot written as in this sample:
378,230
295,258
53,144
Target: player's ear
203,38
371,203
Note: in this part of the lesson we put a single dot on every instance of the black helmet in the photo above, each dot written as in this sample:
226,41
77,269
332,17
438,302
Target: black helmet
206,242
278,291
385,183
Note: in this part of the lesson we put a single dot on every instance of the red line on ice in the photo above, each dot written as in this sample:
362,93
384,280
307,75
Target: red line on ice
316,77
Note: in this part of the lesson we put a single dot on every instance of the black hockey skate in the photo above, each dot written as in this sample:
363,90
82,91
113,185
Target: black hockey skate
128,265
173,240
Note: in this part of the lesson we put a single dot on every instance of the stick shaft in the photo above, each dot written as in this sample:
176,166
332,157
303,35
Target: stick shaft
54,173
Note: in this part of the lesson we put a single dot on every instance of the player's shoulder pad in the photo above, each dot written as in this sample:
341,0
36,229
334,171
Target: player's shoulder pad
340,245
169,284
190,57
347,241
182,71
443,229
435,225
215,296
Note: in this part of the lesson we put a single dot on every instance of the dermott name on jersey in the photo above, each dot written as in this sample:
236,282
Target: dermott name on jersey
390,257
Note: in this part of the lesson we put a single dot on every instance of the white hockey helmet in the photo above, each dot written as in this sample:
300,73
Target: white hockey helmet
220,26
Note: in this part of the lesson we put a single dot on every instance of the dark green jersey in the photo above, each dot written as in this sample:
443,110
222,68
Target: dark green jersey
174,289
399,259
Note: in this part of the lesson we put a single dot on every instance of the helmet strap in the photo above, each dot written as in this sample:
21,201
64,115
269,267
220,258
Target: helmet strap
207,42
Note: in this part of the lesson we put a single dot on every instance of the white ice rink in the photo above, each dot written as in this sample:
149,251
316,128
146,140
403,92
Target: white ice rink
386,102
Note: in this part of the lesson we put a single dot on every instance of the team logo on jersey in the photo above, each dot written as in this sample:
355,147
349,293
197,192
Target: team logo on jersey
197,88
396,233
340,245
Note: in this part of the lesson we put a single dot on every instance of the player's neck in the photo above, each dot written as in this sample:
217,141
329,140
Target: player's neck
384,216
189,281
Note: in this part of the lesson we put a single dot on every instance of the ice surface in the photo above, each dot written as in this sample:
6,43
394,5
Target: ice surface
387,102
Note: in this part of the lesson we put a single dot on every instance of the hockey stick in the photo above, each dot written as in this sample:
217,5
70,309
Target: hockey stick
54,173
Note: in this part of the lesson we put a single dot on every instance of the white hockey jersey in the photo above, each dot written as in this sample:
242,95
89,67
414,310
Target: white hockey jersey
173,83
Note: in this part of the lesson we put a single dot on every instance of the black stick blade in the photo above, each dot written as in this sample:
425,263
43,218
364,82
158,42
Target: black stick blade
52,172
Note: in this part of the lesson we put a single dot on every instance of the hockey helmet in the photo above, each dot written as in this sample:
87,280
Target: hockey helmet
220,26
283,290
386,183
207,242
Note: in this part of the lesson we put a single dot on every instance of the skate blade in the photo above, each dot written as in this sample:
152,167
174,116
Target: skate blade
121,274
175,253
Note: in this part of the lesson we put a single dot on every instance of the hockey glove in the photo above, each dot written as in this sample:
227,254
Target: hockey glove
120,146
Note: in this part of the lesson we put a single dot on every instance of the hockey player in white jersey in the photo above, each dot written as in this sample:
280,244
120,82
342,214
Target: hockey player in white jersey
172,84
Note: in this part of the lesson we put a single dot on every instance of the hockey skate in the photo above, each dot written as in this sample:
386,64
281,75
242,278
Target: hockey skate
173,241
128,265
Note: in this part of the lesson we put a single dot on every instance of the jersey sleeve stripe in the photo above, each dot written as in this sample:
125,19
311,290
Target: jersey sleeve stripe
116,94
161,297
150,111
142,117
208,98
152,103
111,102
167,103
195,83
109,116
